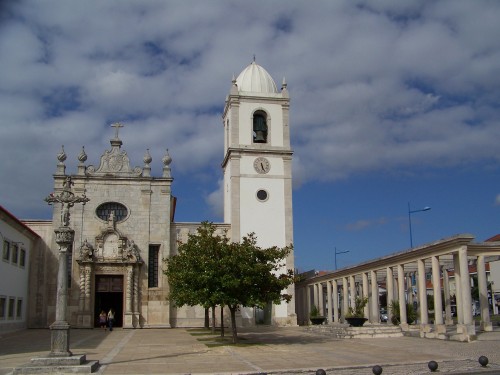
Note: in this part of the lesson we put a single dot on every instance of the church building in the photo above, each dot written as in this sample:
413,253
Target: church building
127,227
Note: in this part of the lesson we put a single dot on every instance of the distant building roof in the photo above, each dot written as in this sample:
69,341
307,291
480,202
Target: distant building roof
493,239
18,222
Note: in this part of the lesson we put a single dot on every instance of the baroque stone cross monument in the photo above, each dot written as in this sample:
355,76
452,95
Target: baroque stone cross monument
61,360
64,238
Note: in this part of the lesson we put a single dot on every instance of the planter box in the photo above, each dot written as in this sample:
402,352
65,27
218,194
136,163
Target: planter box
356,322
318,320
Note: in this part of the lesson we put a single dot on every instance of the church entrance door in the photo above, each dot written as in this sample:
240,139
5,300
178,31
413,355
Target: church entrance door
109,294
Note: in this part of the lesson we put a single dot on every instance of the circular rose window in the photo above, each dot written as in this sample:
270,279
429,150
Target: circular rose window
119,211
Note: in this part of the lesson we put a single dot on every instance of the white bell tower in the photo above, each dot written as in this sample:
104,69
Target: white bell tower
258,168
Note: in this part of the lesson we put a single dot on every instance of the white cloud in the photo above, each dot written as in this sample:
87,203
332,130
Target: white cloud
215,200
373,86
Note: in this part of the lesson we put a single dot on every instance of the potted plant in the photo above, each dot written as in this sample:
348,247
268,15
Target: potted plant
315,317
356,316
411,315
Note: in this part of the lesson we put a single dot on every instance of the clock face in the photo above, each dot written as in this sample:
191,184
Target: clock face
262,165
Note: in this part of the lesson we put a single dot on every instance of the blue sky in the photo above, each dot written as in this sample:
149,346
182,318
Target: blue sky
391,102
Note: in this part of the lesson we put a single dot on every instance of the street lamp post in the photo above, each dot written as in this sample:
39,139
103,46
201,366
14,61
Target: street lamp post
410,211
338,252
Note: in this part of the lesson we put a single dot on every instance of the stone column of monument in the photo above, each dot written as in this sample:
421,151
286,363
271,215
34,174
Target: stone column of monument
64,236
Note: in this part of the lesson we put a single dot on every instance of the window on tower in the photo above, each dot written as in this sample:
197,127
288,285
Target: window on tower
260,127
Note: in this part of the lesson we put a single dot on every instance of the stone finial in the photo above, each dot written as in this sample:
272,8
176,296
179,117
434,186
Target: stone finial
166,164
147,157
234,86
284,89
61,156
166,159
82,158
146,171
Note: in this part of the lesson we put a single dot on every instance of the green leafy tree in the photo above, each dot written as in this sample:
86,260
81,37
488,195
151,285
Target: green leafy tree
209,271
253,277
192,273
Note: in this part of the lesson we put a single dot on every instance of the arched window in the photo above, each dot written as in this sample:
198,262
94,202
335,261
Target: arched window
260,128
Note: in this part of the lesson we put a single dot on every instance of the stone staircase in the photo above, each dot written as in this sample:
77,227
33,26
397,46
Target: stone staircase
344,331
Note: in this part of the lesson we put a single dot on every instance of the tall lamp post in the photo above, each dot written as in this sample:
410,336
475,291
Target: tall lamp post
410,211
338,252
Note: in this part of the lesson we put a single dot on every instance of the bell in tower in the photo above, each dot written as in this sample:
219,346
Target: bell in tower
259,129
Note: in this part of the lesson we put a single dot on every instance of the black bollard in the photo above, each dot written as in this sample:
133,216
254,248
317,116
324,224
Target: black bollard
320,372
483,361
433,366
377,370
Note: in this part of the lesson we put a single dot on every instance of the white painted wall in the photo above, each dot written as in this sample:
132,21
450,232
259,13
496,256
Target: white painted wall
14,278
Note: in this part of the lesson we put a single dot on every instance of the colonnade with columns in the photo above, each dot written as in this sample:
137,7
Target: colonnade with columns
440,269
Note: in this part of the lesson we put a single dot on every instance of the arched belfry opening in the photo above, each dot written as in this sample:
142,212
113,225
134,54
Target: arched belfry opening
260,127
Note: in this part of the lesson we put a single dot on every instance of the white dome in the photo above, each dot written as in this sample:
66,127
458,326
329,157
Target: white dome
254,78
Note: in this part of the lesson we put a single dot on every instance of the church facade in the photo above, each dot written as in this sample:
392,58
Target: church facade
127,228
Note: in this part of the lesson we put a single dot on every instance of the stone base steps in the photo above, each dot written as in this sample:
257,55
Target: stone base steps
344,331
76,364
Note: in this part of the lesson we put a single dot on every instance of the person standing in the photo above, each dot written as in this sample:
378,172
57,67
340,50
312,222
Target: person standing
102,319
111,318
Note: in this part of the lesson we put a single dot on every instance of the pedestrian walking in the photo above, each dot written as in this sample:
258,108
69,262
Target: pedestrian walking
111,318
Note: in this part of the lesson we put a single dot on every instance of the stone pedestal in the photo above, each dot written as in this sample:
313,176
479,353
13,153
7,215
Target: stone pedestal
59,340
76,364
128,320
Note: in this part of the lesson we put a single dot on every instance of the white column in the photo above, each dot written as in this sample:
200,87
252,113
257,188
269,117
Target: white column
329,300
366,294
395,296
308,304
321,305
352,289
401,290
458,289
409,286
390,290
447,301
335,301
345,297
465,281
483,295
422,292
375,309
315,295
438,302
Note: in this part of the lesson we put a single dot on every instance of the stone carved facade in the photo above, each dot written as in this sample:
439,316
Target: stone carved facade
114,254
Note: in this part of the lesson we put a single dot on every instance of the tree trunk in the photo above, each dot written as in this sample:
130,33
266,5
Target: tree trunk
222,321
213,319
207,318
233,323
